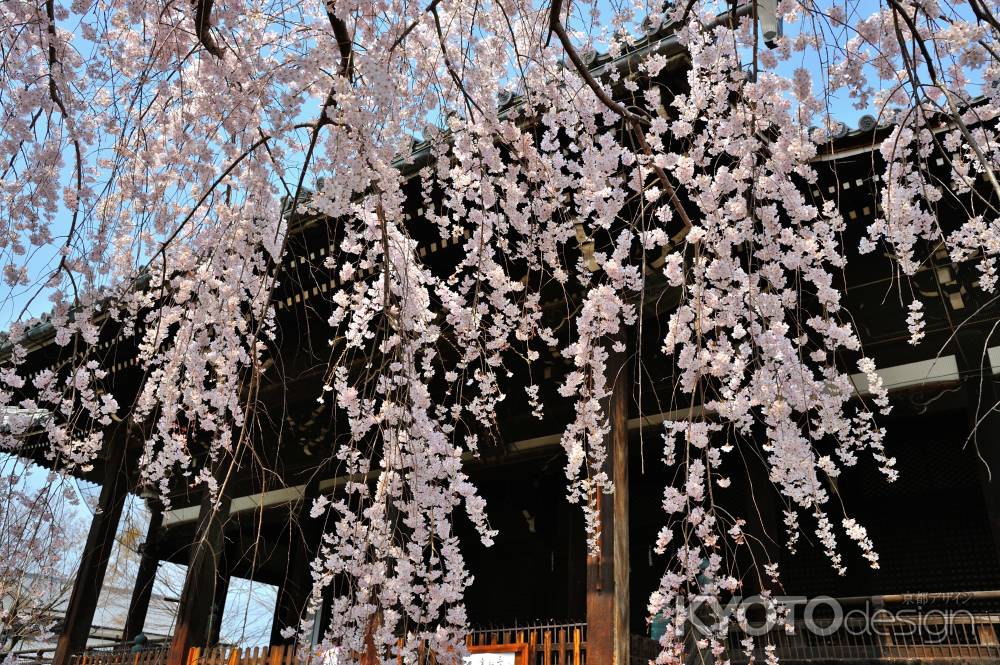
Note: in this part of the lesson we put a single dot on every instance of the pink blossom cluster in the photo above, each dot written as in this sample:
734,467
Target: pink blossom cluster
158,157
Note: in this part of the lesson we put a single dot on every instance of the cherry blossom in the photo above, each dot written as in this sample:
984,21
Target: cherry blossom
159,160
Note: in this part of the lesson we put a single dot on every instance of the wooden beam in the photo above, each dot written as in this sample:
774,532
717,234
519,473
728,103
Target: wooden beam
195,608
608,634
97,550
145,576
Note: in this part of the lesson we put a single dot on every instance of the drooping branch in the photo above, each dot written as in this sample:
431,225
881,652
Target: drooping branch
203,27
469,100
345,43
556,26
78,157
413,24
264,138
955,113
637,123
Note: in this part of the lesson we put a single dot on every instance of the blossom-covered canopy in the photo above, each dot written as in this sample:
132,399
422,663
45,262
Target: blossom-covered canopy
156,157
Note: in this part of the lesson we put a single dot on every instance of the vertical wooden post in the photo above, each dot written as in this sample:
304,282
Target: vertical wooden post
304,540
608,571
219,594
191,626
97,550
145,576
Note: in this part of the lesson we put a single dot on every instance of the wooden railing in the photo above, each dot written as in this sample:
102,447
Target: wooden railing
558,644
273,655
970,638
151,656
537,645
959,638
555,644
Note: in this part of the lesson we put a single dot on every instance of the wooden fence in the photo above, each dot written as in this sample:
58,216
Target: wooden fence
274,655
537,645
965,637
561,644
153,656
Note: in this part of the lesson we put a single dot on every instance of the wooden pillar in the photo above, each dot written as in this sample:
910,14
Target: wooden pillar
146,575
608,633
304,534
97,550
219,594
191,628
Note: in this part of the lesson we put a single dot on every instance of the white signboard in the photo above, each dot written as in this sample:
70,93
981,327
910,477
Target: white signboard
490,659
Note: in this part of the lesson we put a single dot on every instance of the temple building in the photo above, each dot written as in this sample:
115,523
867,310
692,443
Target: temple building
937,529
